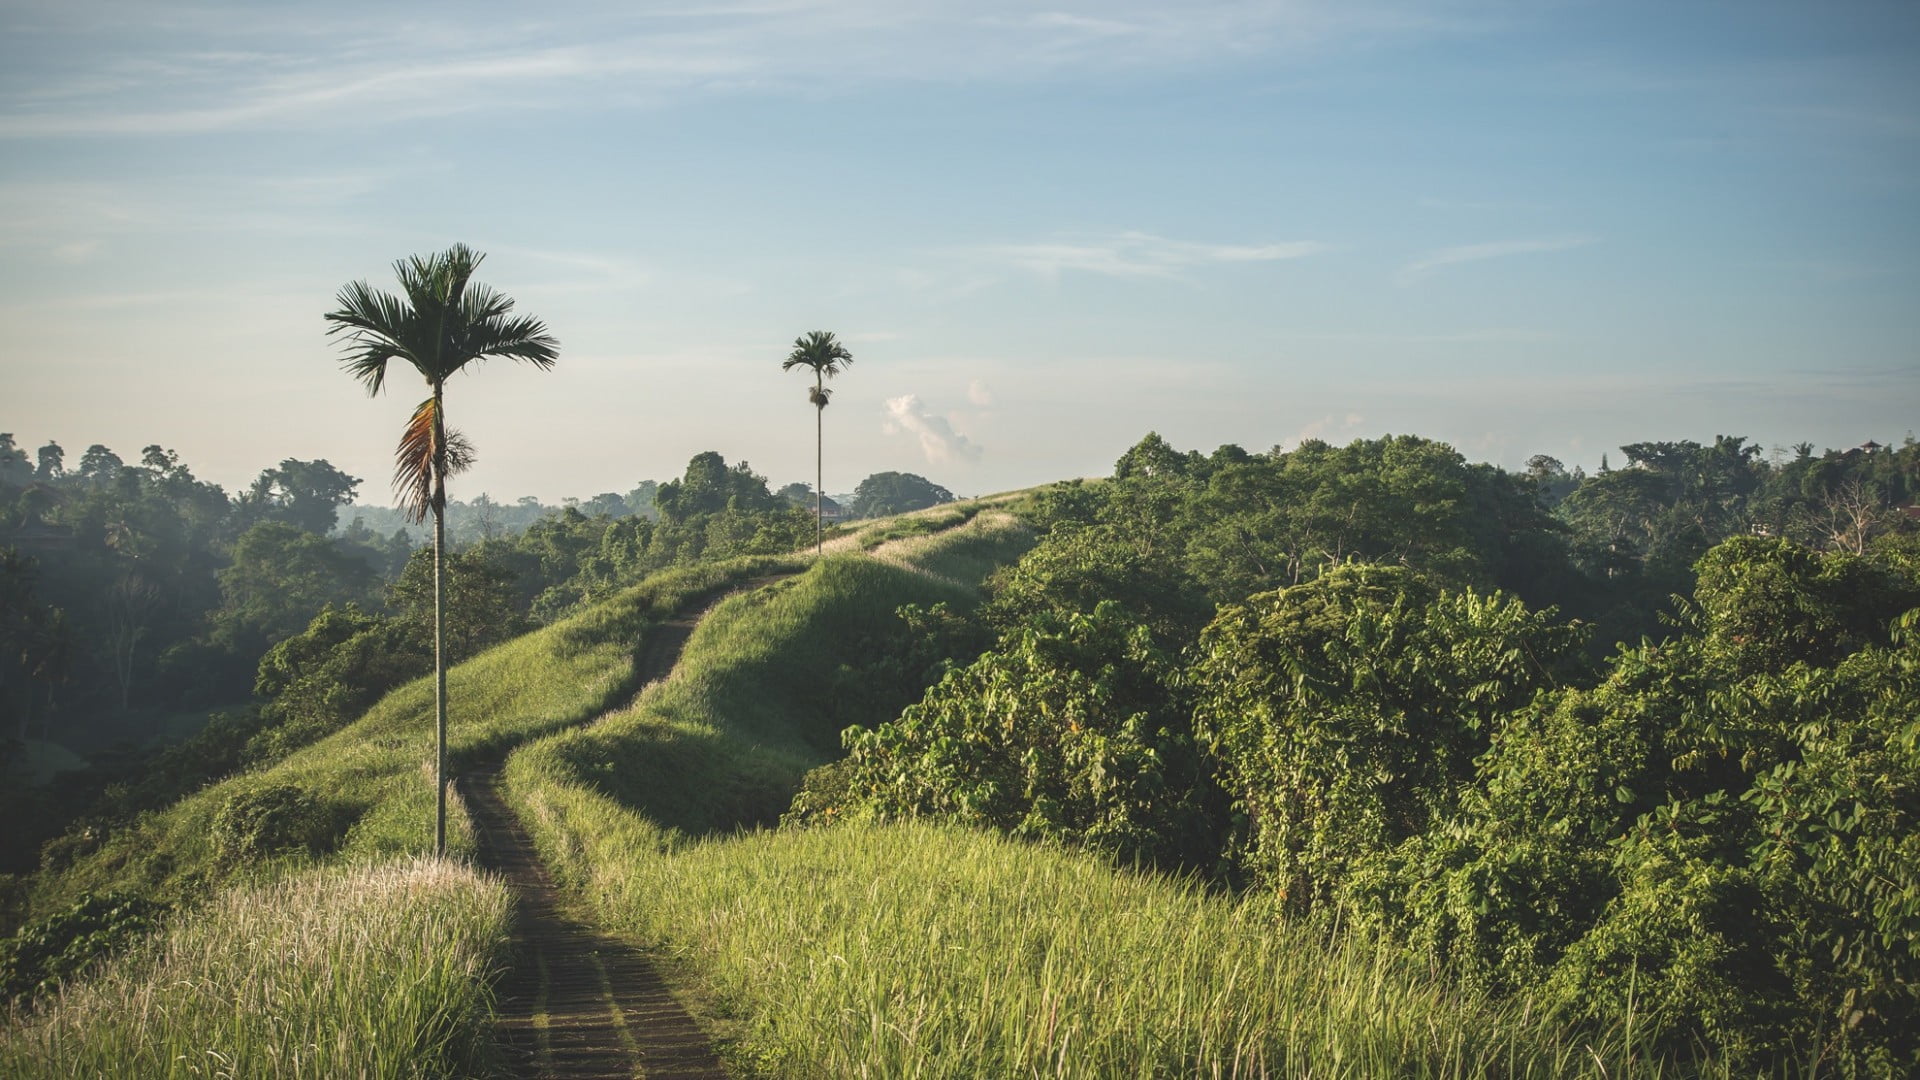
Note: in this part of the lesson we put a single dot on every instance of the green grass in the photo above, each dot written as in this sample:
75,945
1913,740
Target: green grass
914,950
762,693
963,556
376,774
370,972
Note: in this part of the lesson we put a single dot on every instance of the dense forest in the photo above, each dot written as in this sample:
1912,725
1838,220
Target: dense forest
140,600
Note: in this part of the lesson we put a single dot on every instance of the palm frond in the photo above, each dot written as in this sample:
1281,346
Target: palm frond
413,462
818,350
378,327
820,395
441,322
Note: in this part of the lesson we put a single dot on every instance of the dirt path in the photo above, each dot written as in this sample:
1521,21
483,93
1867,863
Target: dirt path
579,1003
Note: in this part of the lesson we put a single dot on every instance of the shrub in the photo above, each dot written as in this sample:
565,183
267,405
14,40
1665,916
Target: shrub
272,820
1348,711
49,950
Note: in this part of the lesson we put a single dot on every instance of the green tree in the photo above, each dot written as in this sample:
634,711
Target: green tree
444,323
305,494
711,486
1349,710
13,462
1071,730
280,577
818,350
896,493
52,463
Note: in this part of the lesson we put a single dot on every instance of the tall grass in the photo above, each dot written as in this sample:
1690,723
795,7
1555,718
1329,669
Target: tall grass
919,951
368,972
914,950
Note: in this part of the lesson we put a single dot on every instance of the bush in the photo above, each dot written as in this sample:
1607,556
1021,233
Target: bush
1348,711
273,820
46,952
1069,731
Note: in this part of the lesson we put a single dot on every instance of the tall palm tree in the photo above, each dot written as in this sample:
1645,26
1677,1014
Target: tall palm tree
827,357
445,322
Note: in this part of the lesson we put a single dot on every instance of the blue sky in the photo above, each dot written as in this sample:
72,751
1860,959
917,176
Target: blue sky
1043,229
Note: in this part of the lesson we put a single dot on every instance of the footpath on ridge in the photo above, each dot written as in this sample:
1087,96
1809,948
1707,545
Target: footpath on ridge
579,1003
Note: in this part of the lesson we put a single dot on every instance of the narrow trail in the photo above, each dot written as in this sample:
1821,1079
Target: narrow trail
579,1003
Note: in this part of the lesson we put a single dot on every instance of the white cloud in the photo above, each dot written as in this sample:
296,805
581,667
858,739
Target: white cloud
1330,428
1500,249
978,393
1133,255
939,442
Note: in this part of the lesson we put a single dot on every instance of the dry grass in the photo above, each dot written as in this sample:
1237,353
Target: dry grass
379,971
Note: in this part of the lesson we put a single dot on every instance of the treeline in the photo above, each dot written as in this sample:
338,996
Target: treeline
1638,745
483,518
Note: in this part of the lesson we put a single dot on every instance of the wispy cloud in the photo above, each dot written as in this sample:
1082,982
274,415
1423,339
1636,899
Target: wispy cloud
939,442
1132,255
1480,336
155,71
1426,264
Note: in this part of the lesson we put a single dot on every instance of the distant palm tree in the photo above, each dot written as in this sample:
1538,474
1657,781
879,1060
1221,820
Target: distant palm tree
827,357
443,323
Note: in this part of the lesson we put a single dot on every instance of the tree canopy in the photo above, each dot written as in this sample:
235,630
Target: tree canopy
886,493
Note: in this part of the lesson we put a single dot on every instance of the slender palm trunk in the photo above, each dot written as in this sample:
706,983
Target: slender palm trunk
439,625
819,473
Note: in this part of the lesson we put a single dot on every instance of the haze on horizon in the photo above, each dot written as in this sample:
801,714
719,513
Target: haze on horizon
1043,231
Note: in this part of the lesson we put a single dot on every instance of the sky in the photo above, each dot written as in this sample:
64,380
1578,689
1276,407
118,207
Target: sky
1043,230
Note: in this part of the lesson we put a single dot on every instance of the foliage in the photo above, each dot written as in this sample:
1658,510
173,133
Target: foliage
1721,834
886,493
260,822
304,494
51,950
280,575
478,605
1074,569
711,486
1070,731
1348,710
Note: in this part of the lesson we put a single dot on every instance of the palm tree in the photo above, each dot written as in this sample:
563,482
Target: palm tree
827,357
445,322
